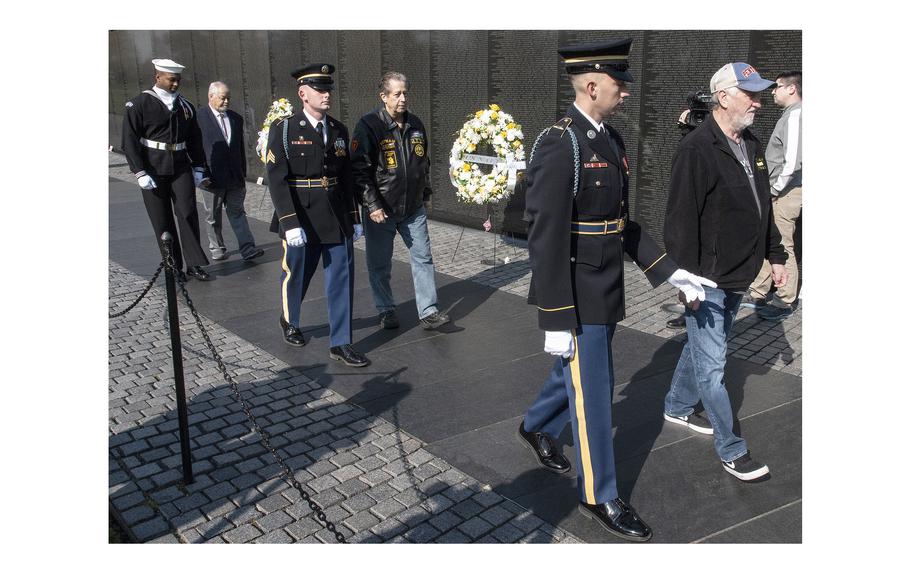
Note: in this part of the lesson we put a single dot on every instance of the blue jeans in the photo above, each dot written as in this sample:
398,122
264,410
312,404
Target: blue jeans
699,373
380,240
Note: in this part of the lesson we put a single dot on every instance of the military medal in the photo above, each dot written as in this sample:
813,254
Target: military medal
339,147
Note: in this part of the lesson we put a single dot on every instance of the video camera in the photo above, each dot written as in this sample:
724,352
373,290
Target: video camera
700,104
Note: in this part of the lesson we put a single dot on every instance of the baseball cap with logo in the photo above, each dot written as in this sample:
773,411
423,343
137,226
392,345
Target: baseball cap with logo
740,75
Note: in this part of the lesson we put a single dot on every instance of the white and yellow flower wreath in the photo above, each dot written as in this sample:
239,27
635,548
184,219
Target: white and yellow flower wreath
279,109
490,128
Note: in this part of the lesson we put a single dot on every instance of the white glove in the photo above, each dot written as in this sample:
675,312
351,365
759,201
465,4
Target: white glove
690,285
358,231
295,237
146,182
199,177
559,343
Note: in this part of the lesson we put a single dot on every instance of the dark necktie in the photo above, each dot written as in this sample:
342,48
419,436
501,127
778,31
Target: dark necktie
223,126
319,129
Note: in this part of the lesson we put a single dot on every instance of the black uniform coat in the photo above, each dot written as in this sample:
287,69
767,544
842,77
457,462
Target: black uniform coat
391,165
326,216
713,226
226,163
578,279
147,117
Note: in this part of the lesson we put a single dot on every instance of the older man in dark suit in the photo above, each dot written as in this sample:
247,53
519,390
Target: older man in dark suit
225,158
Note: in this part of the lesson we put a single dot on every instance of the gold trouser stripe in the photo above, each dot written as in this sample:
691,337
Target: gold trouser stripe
583,448
555,309
597,58
287,277
653,263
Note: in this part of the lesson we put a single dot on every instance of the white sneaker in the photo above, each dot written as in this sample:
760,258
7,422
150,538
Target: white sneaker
694,421
745,468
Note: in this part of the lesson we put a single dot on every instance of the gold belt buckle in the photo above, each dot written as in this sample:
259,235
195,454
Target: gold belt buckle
325,183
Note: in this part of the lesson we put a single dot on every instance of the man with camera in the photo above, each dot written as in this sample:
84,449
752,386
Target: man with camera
718,225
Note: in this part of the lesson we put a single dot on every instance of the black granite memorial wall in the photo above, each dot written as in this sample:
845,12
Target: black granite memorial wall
453,74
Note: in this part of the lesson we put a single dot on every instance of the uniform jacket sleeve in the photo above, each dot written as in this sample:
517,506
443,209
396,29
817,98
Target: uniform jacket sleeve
277,171
656,265
346,179
132,132
364,153
688,188
194,147
548,210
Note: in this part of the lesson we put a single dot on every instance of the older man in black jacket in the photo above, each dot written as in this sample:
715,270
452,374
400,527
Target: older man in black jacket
392,174
719,226
225,159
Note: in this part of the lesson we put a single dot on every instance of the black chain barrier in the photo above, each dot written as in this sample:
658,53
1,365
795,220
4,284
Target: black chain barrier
286,471
142,295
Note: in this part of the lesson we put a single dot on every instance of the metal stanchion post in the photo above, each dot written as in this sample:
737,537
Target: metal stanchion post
177,355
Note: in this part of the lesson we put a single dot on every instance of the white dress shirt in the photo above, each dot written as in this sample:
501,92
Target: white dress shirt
224,126
599,126
314,122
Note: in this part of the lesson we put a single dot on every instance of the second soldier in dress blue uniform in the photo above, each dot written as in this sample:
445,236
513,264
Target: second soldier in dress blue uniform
309,172
577,207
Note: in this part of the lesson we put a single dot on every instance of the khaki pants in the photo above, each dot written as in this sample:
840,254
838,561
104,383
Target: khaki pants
786,210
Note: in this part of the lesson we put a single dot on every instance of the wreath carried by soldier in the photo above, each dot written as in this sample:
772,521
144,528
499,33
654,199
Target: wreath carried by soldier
487,129
279,109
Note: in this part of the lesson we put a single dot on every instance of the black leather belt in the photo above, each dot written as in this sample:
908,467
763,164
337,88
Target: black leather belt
611,227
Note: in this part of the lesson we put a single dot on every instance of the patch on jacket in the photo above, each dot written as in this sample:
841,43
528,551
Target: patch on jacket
390,160
270,157
129,104
354,144
387,144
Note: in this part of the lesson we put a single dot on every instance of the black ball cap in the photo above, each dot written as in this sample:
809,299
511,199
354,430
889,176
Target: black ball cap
610,57
316,75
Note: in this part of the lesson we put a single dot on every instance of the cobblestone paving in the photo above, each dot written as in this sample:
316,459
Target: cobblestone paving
459,252
373,480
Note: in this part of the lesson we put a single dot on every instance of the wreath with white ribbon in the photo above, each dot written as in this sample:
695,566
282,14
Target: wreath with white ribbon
490,128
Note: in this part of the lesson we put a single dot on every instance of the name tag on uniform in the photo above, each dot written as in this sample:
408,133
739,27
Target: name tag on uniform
596,164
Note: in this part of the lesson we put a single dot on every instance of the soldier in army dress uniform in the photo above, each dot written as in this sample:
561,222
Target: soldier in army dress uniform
316,216
577,207
162,144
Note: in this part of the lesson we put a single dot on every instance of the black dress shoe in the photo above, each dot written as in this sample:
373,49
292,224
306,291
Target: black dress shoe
388,320
347,355
544,449
197,273
618,518
255,254
292,335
